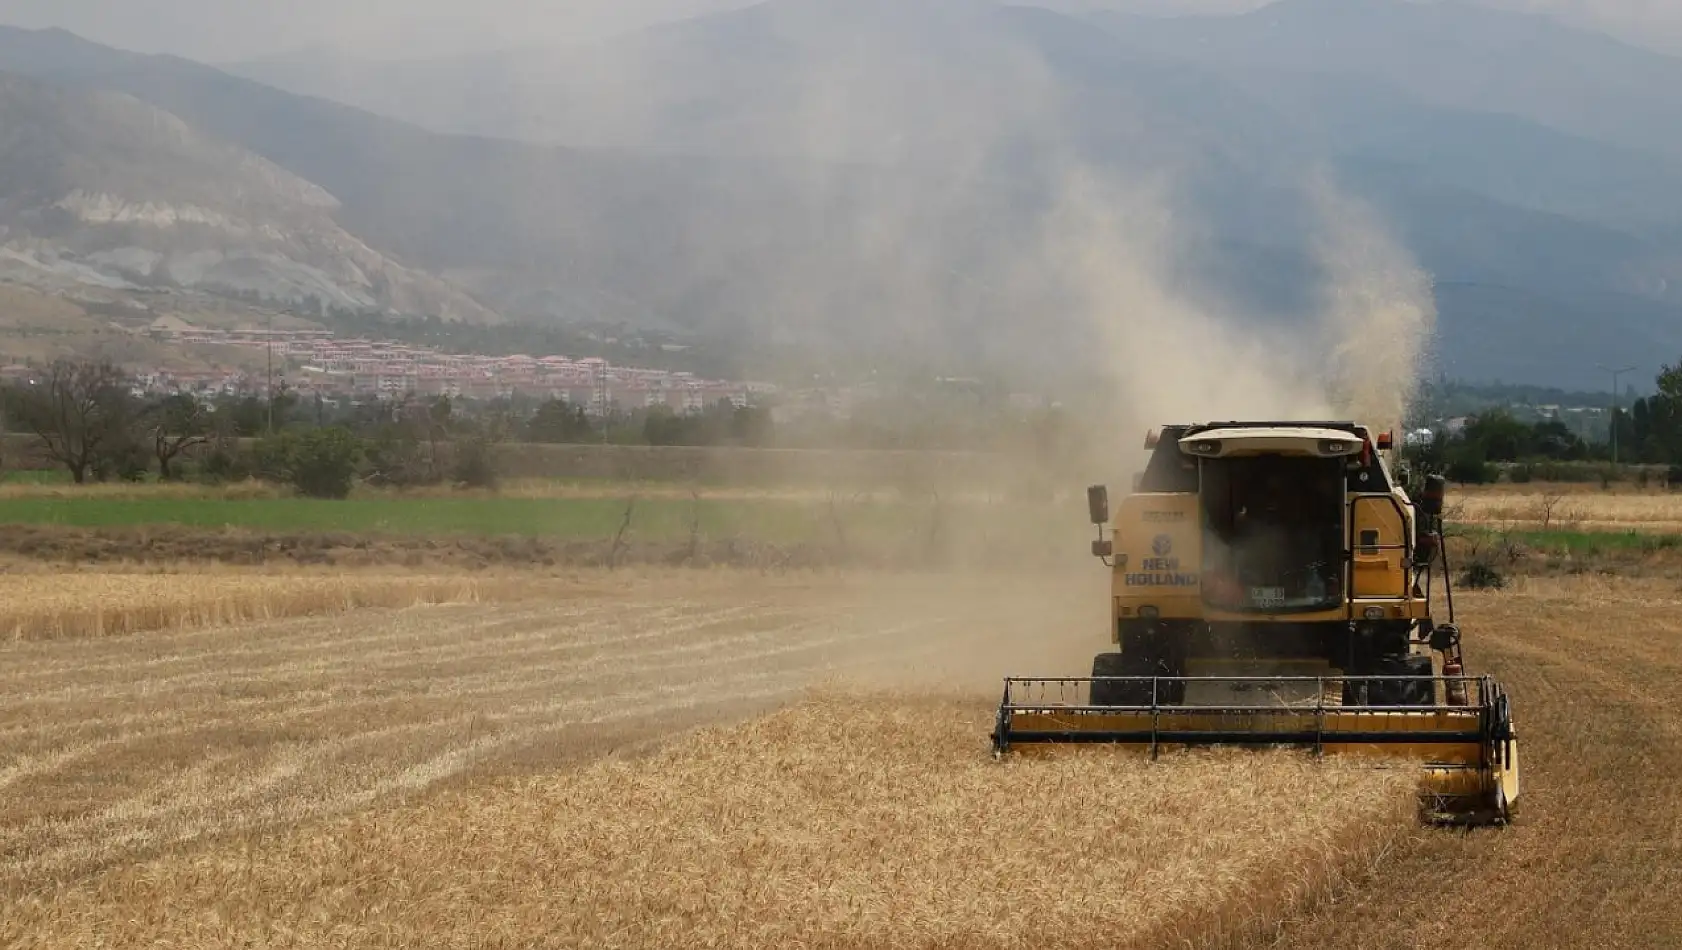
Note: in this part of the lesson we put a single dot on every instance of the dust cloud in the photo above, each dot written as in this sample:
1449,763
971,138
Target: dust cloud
912,188
955,201
1169,360
951,187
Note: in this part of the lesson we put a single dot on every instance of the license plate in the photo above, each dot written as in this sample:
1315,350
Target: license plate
1267,596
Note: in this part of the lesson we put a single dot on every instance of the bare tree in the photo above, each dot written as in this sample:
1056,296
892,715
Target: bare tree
694,525
619,536
179,422
440,418
80,411
1545,507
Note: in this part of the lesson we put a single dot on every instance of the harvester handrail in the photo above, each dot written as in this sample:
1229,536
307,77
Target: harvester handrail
1281,711
1052,692
1236,679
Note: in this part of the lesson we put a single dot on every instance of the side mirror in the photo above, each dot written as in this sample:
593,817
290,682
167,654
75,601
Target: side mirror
1431,500
1098,504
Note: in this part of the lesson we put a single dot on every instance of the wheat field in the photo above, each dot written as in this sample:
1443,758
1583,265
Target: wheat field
1568,507
1594,861
50,606
529,774
112,748
850,821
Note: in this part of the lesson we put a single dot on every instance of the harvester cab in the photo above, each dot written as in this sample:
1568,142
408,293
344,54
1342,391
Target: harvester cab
1272,583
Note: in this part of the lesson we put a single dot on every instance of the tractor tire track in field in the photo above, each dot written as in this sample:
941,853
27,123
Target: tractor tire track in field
112,749
1594,858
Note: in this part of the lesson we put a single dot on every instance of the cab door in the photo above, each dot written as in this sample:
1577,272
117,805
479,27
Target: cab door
1380,548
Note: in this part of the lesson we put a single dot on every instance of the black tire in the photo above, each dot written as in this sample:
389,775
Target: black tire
1110,694
1402,693
1421,691
1130,694
1151,648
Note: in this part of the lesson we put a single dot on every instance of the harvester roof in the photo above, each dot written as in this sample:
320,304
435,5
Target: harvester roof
1312,440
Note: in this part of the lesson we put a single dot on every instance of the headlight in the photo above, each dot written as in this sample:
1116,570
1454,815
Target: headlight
1373,613
1149,613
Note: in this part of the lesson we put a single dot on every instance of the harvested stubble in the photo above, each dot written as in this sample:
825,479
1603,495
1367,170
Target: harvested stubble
842,822
1582,509
95,604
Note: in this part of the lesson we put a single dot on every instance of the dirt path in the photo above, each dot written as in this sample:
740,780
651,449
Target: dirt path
1595,859
112,749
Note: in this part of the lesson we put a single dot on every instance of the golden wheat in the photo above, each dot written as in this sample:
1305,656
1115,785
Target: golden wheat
112,748
1592,863
848,821
1560,508
96,604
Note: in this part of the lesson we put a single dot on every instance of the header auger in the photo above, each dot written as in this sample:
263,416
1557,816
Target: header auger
1272,585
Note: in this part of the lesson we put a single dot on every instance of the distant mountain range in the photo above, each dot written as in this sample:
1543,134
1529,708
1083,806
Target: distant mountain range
889,177
104,189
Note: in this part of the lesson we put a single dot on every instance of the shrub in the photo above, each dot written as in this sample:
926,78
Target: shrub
474,467
320,463
323,462
1564,472
126,460
1522,474
1481,575
271,457
225,463
397,459
1471,471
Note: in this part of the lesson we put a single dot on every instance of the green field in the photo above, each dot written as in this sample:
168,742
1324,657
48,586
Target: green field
1589,543
768,520
774,520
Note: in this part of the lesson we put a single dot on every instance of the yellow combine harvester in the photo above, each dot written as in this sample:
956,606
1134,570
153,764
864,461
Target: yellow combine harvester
1272,585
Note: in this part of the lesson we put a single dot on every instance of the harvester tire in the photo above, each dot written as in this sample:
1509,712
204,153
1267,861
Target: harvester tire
1415,692
1127,694
1110,694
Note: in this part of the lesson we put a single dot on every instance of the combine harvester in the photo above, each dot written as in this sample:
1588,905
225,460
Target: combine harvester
1272,585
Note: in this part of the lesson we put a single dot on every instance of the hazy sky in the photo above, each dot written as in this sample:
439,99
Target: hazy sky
221,30
234,29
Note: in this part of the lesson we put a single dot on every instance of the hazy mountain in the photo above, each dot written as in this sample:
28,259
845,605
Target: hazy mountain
1460,55
99,187
1518,157
895,175
838,223
1453,54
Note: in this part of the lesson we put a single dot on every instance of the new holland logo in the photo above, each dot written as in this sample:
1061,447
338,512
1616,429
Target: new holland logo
1163,570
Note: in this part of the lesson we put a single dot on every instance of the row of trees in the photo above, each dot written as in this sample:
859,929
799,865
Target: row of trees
1649,432
89,418
1495,436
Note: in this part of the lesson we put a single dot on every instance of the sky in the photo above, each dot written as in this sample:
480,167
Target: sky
230,30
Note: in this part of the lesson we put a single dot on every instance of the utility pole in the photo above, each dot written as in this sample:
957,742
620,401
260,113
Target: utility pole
268,347
1614,419
604,395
